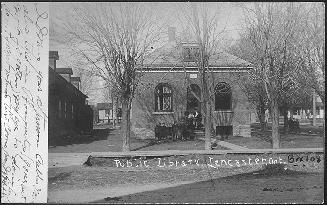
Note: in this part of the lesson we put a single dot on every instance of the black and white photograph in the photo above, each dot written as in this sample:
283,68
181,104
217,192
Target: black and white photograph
162,102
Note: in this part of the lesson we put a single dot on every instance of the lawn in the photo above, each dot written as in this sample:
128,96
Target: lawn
308,137
178,145
105,139
101,140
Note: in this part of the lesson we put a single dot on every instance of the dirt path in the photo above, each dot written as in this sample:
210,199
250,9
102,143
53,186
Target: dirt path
244,188
273,184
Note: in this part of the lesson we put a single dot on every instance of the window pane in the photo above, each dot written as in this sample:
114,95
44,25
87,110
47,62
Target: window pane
59,108
163,98
166,90
223,97
65,110
166,103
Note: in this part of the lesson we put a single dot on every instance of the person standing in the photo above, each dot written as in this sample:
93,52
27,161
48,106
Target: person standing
198,118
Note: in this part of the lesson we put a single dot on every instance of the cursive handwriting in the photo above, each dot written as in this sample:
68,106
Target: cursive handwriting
24,100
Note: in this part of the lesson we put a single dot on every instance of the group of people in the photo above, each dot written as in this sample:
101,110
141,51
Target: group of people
194,118
183,129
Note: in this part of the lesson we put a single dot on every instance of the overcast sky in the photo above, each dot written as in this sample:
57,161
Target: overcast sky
230,14
230,17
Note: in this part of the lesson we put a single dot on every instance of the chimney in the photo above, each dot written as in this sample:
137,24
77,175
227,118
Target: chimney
76,81
65,73
53,56
171,34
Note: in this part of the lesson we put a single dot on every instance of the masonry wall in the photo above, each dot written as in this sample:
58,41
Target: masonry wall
144,117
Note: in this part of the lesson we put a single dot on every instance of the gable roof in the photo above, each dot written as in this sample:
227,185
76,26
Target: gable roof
104,106
169,55
75,79
64,70
60,84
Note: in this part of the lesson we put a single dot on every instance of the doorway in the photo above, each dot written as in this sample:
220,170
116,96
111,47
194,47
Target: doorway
192,102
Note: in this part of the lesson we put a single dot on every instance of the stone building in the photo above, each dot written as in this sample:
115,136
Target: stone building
164,92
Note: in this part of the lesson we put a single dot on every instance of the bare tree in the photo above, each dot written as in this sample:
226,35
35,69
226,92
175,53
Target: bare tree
311,49
273,30
112,96
203,27
114,39
294,94
251,84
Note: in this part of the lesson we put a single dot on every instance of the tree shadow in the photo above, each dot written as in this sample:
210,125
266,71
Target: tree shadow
96,135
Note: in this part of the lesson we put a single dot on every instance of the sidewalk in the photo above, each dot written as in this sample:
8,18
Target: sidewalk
226,144
98,193
67,159
231,146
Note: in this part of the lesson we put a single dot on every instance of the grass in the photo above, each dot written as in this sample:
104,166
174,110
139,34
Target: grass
105,139
309,137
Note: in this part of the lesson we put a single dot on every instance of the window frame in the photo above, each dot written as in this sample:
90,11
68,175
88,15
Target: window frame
72,110
230,96
59,108
65,112
156,95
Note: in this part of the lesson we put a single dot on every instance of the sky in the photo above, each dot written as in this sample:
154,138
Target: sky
230,17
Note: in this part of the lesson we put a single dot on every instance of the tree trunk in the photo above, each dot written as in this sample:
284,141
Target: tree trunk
262,116
114,108
314,109
275,124
126,121
207,127
323,116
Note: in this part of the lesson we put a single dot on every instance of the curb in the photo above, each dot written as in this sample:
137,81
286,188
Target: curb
208,152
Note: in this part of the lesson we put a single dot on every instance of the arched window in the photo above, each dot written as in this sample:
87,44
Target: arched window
192,102
163,98
223,96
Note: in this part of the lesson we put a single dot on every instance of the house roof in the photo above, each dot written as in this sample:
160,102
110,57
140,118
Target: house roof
170,55
75,79
54,54
64,70
104,106
56,81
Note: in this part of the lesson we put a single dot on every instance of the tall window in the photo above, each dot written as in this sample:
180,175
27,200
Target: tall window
72,110
223,96
163,98
65,109
59,109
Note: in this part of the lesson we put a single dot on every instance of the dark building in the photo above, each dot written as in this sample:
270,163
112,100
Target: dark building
69,113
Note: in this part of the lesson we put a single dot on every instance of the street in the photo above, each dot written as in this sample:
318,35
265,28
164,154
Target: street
255,187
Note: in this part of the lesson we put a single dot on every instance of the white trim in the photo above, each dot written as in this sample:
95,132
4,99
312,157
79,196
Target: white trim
194,67
190,71
162,113
228,111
